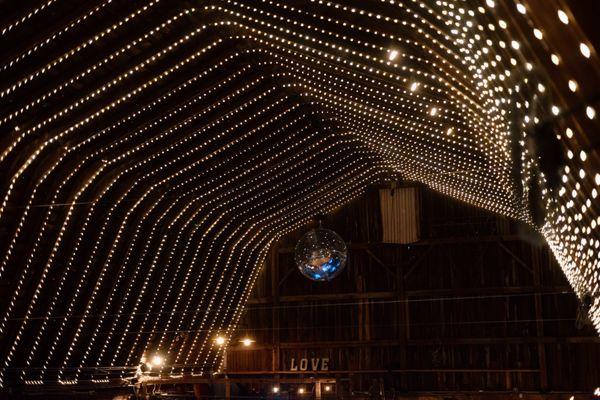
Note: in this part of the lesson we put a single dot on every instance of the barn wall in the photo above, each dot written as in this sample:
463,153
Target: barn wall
478,303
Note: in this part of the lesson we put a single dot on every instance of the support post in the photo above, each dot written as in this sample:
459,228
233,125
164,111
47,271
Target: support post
275,354
535,260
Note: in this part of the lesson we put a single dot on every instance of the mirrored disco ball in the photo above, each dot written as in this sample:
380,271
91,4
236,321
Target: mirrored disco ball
321,254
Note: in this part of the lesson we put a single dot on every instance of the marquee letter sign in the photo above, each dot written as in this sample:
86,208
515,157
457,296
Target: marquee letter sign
316,364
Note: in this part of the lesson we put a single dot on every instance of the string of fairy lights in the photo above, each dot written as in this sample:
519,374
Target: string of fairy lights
174,148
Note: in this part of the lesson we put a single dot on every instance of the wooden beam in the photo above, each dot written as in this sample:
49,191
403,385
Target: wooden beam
425,242
483,341
502,290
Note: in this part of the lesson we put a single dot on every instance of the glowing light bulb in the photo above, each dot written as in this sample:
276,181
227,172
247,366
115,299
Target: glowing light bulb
247,342
275,389
220,340
585,50
572,85
563,17
157,360
590,112
393,55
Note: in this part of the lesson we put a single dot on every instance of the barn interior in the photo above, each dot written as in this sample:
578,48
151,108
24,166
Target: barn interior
303,199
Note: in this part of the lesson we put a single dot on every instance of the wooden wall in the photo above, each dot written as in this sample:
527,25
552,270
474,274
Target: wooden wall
477,304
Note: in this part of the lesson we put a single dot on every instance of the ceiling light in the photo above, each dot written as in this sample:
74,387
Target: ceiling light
157,360
393,55
220,340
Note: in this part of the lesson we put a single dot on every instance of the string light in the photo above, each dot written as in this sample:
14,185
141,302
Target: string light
585,50
195,149
572,85
562,16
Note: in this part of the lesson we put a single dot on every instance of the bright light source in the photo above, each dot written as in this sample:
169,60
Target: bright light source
590,112
585,50
220,340
555,59
555,110
301,390
414,86
569,133
521,8
327,388
247,341
538,34
515,45
450,131
393,54
157,360
572,86
541,88
563,17
433,112
275,389
490,3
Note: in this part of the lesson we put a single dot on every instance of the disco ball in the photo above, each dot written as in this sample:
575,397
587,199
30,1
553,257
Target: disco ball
321,254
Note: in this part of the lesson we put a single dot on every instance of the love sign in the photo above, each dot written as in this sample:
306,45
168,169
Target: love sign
315,364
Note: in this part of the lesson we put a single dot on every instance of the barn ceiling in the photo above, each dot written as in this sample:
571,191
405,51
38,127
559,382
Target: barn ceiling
153,151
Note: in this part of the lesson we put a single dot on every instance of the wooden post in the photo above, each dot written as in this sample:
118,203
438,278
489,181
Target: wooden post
535,260
275,310
227,389
402,320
